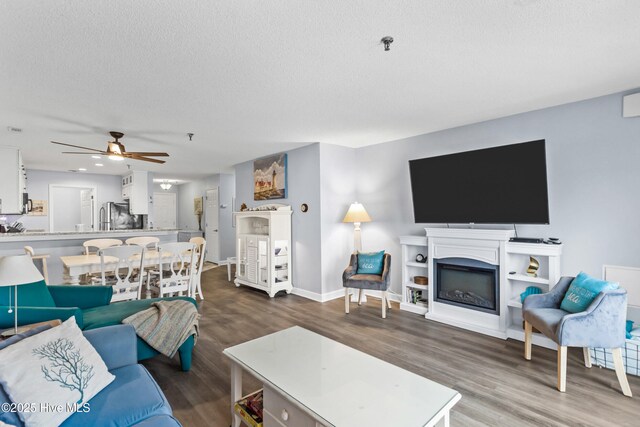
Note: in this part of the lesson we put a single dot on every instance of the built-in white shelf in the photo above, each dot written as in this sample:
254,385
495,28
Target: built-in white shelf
412,246
515,302
416,286
530,279
416,264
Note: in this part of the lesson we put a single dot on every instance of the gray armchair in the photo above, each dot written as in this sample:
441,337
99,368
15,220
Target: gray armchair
351,280
601,325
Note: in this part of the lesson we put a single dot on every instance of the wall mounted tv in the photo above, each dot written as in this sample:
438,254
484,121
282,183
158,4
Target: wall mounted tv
499,185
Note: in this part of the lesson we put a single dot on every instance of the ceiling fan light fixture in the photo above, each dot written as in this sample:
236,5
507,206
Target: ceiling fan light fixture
165,185
116,157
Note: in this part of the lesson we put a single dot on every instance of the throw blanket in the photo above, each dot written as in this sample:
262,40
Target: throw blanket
166,325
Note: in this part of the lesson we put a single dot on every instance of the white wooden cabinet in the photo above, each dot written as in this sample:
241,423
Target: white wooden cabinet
263,250
414,296
135,189
12,181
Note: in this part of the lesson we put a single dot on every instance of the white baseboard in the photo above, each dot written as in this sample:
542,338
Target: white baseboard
314,296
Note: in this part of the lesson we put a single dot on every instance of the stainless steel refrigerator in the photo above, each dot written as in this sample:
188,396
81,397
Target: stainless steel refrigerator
116,216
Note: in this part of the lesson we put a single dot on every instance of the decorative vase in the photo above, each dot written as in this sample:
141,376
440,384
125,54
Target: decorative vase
532,270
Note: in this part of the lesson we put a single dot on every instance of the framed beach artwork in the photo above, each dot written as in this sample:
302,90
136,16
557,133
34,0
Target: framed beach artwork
270,177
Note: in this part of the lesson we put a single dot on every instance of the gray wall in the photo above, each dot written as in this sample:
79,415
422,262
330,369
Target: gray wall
108,188
338,191
303,182
66,209
188,221
593,155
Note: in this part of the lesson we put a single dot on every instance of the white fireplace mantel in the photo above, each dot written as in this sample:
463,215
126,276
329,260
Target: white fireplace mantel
478,244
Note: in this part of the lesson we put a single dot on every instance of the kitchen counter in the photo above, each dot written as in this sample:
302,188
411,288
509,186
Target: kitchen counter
66,243
35,236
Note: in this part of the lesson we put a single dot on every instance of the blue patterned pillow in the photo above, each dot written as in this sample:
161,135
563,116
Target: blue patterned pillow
582,291
371,263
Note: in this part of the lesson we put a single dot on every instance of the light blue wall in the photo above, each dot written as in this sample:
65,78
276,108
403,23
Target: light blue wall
338,191
188,221
109,189
303,187
593,158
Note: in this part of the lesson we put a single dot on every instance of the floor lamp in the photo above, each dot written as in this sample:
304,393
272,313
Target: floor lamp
357,214
17,270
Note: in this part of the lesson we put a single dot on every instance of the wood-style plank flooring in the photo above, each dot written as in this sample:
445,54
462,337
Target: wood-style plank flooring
498,387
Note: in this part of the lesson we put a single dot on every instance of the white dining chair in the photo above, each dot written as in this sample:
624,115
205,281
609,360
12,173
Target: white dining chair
97,244
175,268
42,258
100,244
201,245
120,268
149,243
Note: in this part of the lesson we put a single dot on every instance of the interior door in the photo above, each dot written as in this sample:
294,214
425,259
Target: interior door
164,210
87,209
211,226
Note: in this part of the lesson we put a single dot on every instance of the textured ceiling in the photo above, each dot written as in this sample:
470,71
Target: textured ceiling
251,78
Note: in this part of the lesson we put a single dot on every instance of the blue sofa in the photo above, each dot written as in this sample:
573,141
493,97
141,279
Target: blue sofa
132,399
91,307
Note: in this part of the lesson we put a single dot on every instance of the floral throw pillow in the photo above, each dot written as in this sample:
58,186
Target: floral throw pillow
52,375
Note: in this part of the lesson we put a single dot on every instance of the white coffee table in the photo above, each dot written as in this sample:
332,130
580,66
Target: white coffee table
311,380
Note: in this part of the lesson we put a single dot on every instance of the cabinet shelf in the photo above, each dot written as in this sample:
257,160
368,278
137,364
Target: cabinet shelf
416,286
525,278
416,264
515,302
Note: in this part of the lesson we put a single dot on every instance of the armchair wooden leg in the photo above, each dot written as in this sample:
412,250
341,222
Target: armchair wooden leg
622,376
360,296
562,368
587,357
528,330
346,300
386,297
384,305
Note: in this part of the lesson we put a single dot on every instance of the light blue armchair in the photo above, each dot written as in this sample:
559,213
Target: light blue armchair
601,325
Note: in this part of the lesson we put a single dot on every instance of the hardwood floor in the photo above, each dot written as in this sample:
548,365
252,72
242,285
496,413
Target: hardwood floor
498,387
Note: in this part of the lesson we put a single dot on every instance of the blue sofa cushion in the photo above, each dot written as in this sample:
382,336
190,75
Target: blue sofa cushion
582,291
132,397
113,314
371,263
31,295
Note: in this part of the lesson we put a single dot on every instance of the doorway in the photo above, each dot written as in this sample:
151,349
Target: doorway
164,210
72,208
211,226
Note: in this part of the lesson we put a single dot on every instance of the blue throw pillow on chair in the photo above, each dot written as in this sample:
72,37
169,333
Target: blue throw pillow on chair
582,291
370,263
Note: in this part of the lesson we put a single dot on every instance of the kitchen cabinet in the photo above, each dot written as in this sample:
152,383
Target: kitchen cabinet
135,189
13,181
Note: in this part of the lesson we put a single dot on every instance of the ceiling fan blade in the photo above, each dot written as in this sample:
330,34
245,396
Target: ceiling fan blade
144,153
145,159
77,146
91,153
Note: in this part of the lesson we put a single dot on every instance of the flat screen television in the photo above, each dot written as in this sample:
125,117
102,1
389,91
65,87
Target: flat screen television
499,185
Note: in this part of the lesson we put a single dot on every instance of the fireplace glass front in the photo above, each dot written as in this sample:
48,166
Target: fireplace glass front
467,283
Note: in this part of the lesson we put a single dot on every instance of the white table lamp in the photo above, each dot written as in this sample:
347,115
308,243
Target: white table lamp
17,270
357,214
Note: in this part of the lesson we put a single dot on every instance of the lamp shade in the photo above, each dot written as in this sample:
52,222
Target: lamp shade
356,213
18,270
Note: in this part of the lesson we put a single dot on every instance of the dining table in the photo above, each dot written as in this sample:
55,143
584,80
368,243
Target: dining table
78,265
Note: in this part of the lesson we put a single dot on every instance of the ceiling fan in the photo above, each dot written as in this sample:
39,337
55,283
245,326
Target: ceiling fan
116,151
